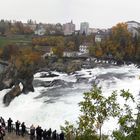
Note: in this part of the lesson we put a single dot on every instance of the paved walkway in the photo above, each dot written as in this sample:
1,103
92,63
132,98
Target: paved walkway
13,136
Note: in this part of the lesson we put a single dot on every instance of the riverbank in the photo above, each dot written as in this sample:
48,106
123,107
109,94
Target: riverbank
11,78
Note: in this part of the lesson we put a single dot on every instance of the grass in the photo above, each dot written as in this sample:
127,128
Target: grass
4,41
15,39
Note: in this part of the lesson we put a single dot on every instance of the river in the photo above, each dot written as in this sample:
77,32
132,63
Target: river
51,106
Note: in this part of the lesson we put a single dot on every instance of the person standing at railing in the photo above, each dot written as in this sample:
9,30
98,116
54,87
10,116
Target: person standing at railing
17,124
61,136
49,132
9,125
32,132
2,121
54,135
45,135
39,133
23,129
2,132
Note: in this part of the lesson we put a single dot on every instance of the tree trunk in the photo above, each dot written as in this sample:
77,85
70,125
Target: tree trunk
100,133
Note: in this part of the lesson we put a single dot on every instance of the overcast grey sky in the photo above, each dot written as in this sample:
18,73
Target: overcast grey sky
99,13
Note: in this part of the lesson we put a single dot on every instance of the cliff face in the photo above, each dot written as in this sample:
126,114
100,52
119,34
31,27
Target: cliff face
7,78
11,78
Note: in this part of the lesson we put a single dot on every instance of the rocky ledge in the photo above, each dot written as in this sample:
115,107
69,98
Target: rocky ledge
14,92
12,78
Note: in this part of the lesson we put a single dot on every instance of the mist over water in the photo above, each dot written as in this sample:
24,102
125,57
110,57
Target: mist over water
51,106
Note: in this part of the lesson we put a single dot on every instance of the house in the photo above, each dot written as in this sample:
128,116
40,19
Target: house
84,28
133,24
101,35
40,30
93,30
99,38
31,26
133,27
134,31
48,52
68,28
76,32
70,54
83,49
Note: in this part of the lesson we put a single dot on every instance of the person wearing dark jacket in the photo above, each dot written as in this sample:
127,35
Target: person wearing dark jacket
39,132
2,121
37,129
23,129
32,132
2,132
49,132
61,136
45,135
54,135
17,124
10,125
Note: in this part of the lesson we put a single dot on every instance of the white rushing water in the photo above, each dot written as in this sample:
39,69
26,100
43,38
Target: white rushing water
50,107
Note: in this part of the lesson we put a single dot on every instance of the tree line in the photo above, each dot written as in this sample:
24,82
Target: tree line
14,28
119,44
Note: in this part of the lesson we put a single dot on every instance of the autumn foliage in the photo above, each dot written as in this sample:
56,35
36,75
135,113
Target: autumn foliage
120,44
27,58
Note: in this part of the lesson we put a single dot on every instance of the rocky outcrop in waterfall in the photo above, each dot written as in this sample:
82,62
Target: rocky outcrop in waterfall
14,92
11,78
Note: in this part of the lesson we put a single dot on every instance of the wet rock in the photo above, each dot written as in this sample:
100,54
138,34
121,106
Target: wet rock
14,92
54,83
82,80
12,77
44,75
73,66
120,62
27,84
59,82
38,83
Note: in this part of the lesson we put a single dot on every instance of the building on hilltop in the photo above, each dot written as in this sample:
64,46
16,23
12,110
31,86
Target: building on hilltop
133,24
40,30
93,30
72,54
54,29
84,28
48,52
68,28
101,35
84,49
30,26
133,27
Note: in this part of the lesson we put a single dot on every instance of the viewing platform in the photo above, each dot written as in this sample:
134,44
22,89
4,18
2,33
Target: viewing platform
13,136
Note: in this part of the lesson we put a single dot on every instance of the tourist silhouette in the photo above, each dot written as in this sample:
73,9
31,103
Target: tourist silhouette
32,132
23,129
9,124
17,124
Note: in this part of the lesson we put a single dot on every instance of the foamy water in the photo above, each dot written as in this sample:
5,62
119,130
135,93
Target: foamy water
52,111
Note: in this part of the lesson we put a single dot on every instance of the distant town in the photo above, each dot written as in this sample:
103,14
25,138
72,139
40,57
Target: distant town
40,29
64,40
